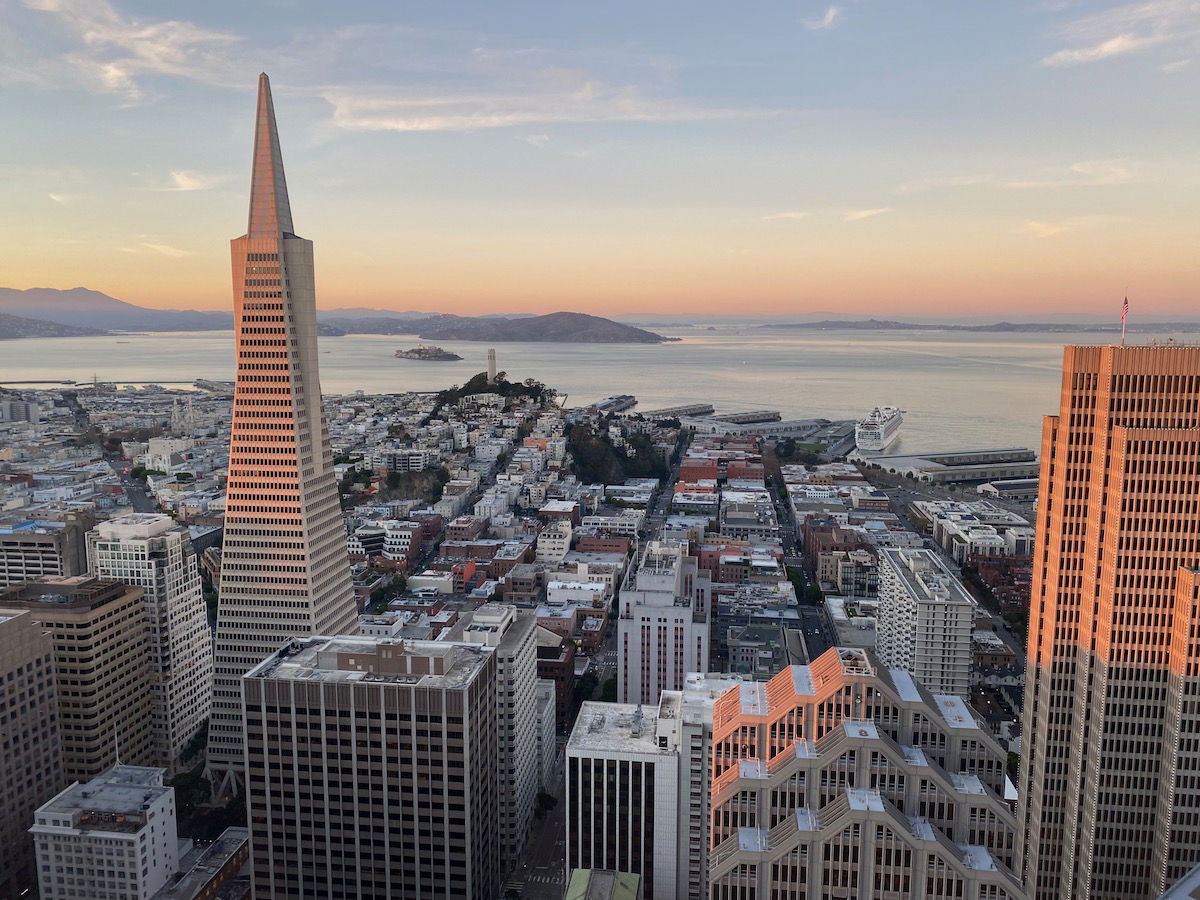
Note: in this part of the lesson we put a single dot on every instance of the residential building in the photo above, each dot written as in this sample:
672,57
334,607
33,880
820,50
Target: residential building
418,761
285,568
663,629
925,620
101,668
152,552
31,743
43,548
554,541
113,838
1110,762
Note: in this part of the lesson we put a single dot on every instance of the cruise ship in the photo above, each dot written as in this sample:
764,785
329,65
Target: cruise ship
878,429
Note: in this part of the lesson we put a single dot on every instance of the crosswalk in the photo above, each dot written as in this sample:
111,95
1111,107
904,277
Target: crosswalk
534,878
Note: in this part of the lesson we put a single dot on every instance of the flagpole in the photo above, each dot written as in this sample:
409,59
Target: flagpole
1122,331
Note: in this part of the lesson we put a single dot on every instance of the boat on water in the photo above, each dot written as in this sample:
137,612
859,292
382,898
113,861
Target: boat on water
428,353
878,428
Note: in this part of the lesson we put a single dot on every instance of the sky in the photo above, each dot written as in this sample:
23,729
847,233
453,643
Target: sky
1012,159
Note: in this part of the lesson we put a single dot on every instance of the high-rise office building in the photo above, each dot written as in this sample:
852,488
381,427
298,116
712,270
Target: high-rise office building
113,838
30,744
101,668
1110,763
153,552
371,770
43,548
837,779
285,570
663,629
925,620
512,633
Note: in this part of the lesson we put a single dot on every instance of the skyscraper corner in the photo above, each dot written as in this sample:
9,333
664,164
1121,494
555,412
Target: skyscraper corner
284,567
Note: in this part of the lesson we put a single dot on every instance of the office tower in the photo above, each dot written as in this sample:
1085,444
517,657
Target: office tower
840,778
623,794
512,634
113,838
925,620
1110,762
662,632
31,747
390,786
491,363
101,668
150,551
39,548
285,570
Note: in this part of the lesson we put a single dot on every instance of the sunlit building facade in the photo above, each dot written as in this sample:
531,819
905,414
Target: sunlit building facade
284,567
1110,780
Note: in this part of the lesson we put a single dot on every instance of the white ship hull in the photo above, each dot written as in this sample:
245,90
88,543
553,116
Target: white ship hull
878,430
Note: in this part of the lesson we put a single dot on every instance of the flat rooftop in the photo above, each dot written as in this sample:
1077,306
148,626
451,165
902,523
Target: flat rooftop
113,801
616,728
351,658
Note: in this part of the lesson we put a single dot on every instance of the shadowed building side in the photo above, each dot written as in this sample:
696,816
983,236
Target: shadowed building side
284,567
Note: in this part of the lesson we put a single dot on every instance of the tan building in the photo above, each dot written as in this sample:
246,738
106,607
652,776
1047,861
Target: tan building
285,569
43,548
100,667
1110,780
30,743
390,787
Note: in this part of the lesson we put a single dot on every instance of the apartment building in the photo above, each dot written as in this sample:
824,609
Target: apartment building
925,620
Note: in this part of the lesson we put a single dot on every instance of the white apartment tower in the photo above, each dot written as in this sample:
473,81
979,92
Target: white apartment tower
925,620
662,632
285,569
151,551
113,838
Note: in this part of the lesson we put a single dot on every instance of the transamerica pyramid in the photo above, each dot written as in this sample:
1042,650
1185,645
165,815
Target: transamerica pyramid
285,571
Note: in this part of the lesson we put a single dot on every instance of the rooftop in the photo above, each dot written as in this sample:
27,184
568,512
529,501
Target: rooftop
351,658
616,728
115,801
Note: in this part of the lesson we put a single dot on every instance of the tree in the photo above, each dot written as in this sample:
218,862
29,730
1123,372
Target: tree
608,691
813,594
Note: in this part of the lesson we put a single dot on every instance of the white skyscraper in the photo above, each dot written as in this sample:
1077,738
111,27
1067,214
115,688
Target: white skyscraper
925,620
662,632
151,551
285,570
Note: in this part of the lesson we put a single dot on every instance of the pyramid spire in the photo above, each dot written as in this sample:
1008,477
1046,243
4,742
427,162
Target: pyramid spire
270,212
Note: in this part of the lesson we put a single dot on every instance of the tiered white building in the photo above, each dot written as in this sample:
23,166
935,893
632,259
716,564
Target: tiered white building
151,551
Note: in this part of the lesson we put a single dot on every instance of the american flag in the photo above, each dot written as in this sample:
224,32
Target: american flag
1124,310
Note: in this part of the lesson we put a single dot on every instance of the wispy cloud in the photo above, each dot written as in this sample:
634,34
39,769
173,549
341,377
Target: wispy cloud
1088,173
587,101
115,50
791,215
1128,28
188,180
1044,229
155,247
59,198
832,15
858,215
1177,65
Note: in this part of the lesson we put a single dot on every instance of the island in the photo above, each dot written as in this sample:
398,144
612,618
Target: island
428,353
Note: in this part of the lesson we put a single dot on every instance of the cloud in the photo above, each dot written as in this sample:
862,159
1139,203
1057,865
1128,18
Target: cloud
536,140
1039,229
59,198
921,185
188,180
161,249
1088,173
1177,65
583,101
792,215
858,215
832,15
1128,28
114,51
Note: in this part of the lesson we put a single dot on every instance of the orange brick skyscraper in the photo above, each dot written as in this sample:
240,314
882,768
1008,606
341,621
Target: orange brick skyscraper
1110,763
285,571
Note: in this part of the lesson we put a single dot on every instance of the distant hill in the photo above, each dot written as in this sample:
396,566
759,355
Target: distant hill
12,327
559,327
92,309
1010,327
